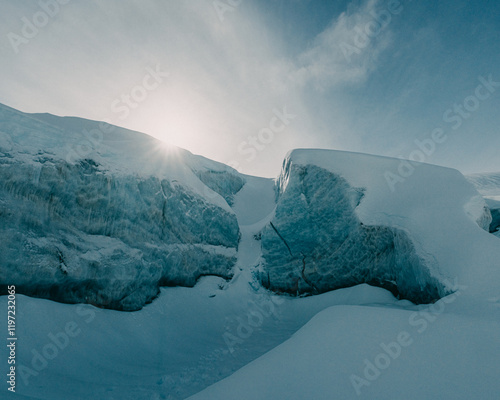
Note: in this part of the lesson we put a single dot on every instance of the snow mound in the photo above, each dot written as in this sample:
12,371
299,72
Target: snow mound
95,213
338,224
353,352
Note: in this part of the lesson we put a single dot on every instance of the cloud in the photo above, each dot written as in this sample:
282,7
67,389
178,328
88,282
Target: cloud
344,53
225,77
349,90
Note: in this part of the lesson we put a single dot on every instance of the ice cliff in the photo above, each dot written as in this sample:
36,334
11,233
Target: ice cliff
94,213
98,214
338,223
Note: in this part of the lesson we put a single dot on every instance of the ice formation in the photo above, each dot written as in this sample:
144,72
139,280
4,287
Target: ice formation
99,214
338,224
488,185
109,223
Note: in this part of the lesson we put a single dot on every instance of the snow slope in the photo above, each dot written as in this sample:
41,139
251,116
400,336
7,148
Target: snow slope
99,214
488,184
359,352
170,349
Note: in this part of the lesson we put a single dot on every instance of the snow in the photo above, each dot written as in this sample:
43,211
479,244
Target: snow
99,214
488,184
118,150
171,349
175,346
227,336
338,223
450,349
451,357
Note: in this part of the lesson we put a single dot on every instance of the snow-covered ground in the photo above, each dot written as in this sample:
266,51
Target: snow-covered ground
447,350
187,339
488,184
376,352
233,339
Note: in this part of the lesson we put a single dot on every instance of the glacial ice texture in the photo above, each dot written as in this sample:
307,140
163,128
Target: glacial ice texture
78,233
316,243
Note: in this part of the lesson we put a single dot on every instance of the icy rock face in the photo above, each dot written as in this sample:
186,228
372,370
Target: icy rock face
83,232
225,183
494,207
316,243
489,186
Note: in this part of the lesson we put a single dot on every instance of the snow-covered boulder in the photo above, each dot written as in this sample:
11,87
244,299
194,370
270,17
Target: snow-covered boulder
99,214
340,221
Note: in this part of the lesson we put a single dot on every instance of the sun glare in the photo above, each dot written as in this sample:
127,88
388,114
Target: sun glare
165,149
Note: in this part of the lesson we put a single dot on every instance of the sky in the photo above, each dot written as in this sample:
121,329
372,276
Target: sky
245,81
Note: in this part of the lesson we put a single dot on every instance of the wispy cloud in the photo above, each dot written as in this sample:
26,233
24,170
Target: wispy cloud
224,78
345,53
360,84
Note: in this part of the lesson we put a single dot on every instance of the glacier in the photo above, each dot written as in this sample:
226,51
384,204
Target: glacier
338,224
110,225
97,214
449,349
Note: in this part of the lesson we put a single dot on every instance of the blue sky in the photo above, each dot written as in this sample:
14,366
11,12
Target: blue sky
243,82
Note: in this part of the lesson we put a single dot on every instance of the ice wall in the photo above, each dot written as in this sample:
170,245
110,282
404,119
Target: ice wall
109,228
316,243
329,233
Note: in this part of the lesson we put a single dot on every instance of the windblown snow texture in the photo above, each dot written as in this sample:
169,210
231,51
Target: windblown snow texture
91,231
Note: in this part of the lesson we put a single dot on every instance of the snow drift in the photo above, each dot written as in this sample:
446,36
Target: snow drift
385,350
375,352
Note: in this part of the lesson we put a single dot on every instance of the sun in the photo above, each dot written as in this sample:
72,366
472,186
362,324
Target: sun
180,115
166,151
164,146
